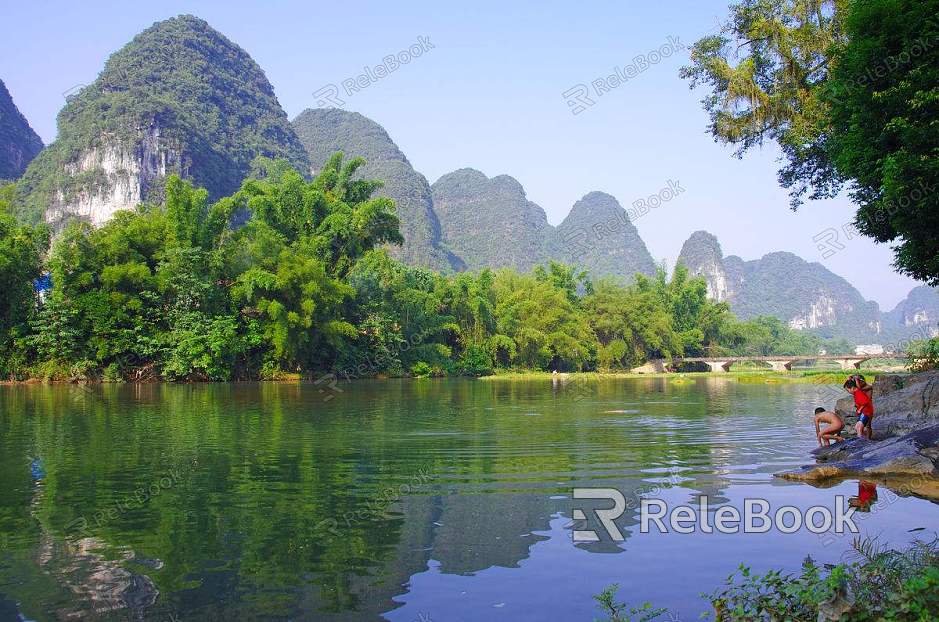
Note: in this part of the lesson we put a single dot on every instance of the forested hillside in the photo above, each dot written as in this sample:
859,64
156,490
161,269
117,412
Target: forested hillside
323,132
19,144
804,295
172,291
180,98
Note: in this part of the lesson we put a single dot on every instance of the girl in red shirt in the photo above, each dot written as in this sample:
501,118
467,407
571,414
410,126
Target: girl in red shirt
865,409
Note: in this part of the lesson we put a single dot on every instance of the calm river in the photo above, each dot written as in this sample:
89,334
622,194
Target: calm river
411,500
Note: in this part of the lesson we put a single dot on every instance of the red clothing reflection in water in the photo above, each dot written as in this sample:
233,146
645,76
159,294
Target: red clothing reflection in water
866,496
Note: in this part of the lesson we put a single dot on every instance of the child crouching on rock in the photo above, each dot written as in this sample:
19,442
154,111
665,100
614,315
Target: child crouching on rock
864,407
830,433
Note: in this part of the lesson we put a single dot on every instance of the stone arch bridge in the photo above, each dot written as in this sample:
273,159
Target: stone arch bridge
776,363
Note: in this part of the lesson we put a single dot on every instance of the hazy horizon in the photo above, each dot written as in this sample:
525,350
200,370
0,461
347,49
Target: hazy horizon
487,93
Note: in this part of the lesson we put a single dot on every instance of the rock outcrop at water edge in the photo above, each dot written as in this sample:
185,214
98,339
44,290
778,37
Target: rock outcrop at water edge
905,448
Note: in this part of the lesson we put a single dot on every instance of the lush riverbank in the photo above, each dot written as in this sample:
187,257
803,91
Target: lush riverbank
289,276
813,376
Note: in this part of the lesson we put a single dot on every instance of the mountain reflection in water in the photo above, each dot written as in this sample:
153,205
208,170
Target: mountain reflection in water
446,499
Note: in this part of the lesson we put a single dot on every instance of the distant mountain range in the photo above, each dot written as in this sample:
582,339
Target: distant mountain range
490,222
466,220
182,98
807,295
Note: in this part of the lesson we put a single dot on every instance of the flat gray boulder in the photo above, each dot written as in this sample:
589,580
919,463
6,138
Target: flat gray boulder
911,454
902,404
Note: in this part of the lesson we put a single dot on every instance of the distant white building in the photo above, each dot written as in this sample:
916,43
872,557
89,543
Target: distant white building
869,349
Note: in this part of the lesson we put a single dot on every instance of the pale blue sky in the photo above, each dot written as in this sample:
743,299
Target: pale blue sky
489,96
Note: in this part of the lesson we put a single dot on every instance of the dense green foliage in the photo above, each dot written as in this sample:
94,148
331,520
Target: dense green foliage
19,144
848,90
21,249
180,91
881,584
924,355
621,612
763,71
177,292
324,131
884,98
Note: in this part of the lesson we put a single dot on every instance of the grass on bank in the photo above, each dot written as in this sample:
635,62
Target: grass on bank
880,583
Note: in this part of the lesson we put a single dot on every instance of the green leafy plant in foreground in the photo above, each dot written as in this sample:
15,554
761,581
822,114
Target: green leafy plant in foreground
924,355
881,584
621,612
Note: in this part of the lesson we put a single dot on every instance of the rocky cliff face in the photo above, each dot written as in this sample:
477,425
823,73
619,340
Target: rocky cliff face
916,317
326,131
702,255
490,222
120,177
19,144
179,98
598,236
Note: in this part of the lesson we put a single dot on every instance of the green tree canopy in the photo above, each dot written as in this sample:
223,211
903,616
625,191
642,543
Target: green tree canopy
21,251
848,90
883,94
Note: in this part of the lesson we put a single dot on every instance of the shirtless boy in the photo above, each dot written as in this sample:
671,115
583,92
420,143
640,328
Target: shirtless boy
830,433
